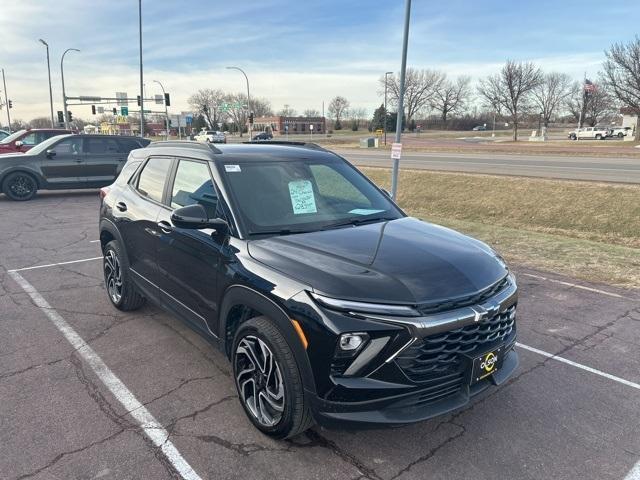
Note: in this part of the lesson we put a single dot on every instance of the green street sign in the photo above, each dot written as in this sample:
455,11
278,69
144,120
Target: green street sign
146,111
124,111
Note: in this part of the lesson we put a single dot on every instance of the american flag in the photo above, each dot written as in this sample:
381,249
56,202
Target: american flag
589,86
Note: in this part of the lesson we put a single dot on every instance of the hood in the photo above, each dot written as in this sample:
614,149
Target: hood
402,261
7,154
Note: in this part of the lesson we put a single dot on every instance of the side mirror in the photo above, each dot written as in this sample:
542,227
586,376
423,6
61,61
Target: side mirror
18,143
50,153
195,217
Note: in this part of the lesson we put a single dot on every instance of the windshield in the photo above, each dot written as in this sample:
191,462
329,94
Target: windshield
294,196
13,136
46,144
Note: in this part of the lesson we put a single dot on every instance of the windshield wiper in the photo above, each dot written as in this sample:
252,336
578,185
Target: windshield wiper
284,231
356,222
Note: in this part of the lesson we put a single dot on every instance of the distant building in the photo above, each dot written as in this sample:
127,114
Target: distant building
280,125
630,118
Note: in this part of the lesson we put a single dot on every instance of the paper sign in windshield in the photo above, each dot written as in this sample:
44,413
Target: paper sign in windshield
232,168
302,199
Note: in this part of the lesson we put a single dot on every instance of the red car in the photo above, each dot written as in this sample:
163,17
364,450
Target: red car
23,140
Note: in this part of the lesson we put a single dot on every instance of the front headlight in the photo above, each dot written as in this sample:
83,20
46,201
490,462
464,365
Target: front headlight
365,307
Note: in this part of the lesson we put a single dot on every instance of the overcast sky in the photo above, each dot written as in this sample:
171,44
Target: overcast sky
295,52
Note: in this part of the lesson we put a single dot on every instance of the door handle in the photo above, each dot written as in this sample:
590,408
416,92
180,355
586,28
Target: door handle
165,226
79,160
121,206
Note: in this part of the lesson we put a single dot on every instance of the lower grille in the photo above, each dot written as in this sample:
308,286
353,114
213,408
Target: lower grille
441,354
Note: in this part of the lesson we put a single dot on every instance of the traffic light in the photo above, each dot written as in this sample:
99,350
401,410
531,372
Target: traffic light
93,109
115,111
138,100
10,104
251,118
60,116
69,115
167,100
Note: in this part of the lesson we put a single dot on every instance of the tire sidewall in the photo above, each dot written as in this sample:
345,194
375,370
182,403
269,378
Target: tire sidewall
7,190
124,269
281,429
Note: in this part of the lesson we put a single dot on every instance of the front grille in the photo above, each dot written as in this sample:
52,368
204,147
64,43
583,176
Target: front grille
436,390
441,354
460,302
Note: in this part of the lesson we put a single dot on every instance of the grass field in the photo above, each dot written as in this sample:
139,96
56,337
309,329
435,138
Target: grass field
586,230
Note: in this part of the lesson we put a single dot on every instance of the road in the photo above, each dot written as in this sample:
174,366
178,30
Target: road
624,170
68,358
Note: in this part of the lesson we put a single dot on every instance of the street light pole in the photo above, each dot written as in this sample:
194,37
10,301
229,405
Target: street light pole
64,94
384,123
141,78
248,97
50,90
6,101
403,69
166,112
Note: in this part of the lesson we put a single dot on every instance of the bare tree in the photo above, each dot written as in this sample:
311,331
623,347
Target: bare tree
511,89
261,107
590,107
207,102
237,109
311,112
338,108
287,111
622,74
551,94
41,122
451,97
420,89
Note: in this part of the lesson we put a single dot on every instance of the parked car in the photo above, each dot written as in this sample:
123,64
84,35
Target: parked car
587,133
479,128
620,132
66,162
24,140
331,304
263,136
211,136
4,134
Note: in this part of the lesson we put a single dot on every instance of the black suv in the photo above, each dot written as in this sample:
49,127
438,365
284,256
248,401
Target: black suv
331,304
66,162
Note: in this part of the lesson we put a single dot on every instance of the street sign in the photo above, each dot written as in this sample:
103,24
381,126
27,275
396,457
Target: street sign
159,99
90,99
188,119
396,151
124,111
311,127
100,109
146,111
122,98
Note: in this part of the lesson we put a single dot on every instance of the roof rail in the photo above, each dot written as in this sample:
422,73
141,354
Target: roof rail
185,144
313,146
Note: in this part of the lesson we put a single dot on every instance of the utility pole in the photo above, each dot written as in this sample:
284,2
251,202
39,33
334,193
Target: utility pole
324,120
6,101
384,123
141,78
403,70
166,111
248,99
64,94
50,90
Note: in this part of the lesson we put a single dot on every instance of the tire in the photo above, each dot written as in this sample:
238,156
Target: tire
115,267
598,137
20,186
620,135
283,412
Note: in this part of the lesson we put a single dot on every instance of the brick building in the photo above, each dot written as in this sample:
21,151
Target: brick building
279,124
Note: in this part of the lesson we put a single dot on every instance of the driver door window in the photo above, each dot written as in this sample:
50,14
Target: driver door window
70,146
193,184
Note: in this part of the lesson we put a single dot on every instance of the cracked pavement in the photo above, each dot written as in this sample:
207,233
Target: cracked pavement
57,420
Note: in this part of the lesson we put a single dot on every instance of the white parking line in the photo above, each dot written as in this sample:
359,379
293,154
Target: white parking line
575,285
94,241
149,425
634,473
54,264
580,366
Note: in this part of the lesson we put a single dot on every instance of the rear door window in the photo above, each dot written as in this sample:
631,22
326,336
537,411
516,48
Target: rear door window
152,178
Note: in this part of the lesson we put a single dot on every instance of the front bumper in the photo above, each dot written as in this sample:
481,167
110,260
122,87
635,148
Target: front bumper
407,408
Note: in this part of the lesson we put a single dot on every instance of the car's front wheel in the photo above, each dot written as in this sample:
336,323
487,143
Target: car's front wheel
121,290
268,380
620,135
20,186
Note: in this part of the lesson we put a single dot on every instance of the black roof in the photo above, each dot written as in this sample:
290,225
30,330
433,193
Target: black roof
258,151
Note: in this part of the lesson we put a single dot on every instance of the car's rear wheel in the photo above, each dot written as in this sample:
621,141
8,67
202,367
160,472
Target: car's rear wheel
20,186
122,292
620,135
598,137
268,380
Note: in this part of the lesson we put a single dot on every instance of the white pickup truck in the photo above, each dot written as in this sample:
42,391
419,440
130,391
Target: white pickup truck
211,136
586,133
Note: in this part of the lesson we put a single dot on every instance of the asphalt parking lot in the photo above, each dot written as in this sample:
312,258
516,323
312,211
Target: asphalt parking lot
87,391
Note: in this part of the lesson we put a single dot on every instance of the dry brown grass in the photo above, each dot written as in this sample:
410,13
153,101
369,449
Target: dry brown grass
587,230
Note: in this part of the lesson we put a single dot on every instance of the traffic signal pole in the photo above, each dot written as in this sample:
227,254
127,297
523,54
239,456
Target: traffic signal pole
6,101
141,78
